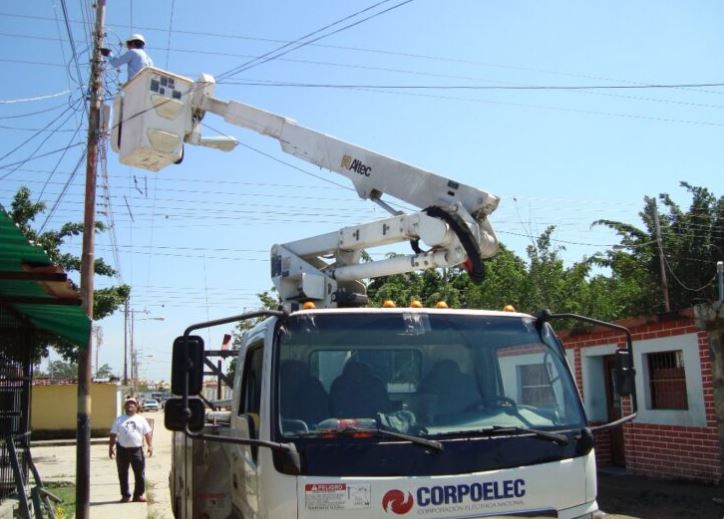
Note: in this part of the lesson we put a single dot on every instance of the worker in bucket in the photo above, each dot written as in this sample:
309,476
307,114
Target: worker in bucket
135,58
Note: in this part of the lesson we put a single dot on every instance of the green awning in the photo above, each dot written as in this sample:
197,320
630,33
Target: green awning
37,289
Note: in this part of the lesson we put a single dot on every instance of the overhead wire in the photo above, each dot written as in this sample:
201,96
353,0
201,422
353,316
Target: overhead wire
36,134
30,114
35,157
389,52
477,87
299,43
170,32
57,164
681,283
59,199
110,216
71,41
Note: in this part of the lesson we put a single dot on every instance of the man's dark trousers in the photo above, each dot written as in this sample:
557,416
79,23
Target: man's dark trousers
134,457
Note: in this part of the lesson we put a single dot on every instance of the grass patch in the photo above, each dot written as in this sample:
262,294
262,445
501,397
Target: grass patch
65,491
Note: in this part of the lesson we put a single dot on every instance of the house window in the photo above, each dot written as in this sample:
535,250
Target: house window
667,380
535,386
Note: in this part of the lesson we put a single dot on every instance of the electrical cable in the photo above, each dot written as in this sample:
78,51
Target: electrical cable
170,32
37,148
299,44
30,114
480,87
57,164
65,189
681,283
52,152
32,99
71,40
36,134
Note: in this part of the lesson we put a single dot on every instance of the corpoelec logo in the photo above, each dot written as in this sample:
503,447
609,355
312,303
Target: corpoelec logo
462,497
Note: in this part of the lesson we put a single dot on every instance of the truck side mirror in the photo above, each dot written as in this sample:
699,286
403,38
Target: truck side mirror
624,373
187,365
176,416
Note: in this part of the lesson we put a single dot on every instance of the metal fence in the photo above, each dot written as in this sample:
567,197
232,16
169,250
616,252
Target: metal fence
15,385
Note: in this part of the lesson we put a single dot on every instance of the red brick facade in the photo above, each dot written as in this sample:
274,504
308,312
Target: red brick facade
667,451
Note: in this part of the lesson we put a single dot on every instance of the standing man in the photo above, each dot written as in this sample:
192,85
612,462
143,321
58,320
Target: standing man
135,59
128,432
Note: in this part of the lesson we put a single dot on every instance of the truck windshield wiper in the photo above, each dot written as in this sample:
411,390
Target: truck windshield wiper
370,431
495,430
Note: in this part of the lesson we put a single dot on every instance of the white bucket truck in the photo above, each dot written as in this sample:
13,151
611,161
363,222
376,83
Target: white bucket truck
340,410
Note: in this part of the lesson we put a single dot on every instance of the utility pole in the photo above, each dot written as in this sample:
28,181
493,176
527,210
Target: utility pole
125,343
662,262
83,430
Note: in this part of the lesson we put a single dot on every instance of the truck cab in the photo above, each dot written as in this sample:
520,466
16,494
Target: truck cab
435,412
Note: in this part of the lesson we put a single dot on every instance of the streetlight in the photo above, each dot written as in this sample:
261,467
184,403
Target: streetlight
134,355
127,311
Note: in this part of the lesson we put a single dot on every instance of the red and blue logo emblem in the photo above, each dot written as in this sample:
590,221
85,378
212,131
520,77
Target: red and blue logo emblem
396,501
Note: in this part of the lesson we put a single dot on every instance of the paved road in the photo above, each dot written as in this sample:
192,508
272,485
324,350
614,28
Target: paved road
57,463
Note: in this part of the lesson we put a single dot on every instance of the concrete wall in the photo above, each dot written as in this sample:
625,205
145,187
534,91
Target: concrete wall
54,410
660,443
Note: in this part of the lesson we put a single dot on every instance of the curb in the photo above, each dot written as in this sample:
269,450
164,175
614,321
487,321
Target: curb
65,442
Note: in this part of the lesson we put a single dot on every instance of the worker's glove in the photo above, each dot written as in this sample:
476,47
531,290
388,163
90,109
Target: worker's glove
106,52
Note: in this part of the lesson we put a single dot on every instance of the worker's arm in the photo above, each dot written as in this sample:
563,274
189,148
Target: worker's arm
120,60
111,446
149,442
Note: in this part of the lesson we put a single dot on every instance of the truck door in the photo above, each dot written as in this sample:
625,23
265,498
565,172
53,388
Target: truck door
245,422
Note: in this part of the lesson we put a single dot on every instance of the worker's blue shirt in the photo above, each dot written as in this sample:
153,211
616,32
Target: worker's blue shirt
136,59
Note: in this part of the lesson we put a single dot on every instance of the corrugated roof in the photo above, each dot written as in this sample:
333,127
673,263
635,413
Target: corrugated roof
37,289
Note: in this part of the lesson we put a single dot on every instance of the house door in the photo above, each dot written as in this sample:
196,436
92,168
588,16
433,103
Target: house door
614,412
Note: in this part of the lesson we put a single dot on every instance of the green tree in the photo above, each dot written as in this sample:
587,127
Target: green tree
61,370
105,371
106,300
692,241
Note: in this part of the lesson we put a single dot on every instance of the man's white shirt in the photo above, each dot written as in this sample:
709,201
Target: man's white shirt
130,430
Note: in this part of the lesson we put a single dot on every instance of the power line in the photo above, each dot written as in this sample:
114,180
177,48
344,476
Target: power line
62,193
71,40
427,57
170,32
35,157
26,141
32,99
555,108
29,114
297,44
479,87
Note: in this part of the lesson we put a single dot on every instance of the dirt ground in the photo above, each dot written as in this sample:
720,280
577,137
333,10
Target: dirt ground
623,495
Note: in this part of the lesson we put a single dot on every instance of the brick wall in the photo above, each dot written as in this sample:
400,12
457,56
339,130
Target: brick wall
667,451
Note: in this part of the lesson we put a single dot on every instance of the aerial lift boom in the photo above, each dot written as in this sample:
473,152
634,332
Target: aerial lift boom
166,110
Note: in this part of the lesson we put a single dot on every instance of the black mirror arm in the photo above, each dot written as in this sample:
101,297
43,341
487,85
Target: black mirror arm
546,316
209,324
288,449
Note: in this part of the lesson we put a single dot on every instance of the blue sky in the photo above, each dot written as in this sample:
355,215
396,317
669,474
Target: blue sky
193,240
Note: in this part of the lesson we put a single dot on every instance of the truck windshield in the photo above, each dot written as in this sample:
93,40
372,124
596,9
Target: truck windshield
425,374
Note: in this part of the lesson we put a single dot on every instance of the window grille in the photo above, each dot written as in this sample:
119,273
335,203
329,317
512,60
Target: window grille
667,380
535,386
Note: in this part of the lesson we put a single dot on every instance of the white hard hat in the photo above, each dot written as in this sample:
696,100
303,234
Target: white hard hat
136,37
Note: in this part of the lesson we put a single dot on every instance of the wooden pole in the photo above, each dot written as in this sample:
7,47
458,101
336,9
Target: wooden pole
83,430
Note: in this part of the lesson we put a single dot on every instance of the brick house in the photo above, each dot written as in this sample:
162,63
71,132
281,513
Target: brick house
677,357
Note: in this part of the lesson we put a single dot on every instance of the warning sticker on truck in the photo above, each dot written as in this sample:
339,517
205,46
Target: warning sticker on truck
336,496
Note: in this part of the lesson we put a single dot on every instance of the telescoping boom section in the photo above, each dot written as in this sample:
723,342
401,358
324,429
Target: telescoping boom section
158,112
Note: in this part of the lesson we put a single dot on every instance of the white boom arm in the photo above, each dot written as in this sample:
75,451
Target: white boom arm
454,221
